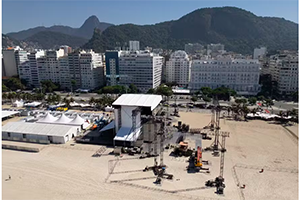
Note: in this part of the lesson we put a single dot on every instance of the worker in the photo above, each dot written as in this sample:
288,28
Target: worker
261,171
9,177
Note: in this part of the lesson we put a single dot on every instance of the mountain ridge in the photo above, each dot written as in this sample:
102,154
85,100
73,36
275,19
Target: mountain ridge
239,30
84,31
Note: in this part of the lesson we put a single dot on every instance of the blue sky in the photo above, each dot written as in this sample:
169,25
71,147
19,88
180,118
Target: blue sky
23,14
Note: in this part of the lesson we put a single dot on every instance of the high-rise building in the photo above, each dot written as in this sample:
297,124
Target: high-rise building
193,48
285,70
33,56
48,66
25,72
91,69
134,45
10,64
241,75
215,49
178,68
74,67
112,67
258,52
141,68
64,72
21,57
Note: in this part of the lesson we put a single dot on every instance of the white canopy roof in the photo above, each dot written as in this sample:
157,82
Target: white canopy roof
63,120
47,119
8,113
37,129
77,120
143,100
33,104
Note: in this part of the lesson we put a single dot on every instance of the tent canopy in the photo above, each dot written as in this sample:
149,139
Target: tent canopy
48,119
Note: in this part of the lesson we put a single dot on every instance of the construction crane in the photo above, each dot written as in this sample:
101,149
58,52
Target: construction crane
219,180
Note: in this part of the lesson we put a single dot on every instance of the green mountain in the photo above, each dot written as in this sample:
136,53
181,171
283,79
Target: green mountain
9,42
85,31
239,30
51,40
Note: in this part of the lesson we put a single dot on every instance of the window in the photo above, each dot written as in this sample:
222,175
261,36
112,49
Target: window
24,136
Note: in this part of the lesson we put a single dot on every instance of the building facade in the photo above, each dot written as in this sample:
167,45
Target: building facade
9,61
241,75
64,72
112,67
143,69
92,71
193,48
259,52
178,68
285,70
134,45
74,68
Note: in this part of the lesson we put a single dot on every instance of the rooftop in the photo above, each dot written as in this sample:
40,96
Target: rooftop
8,113
37,129
142,100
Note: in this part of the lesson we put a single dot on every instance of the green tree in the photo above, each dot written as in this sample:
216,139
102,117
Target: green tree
206,99
92,100
73,83
48,85
13,84
133,88
194,99
151,91
4,88
252,100
206,91
269,102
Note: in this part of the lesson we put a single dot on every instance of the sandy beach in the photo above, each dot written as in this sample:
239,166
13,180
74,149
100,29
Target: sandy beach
70,172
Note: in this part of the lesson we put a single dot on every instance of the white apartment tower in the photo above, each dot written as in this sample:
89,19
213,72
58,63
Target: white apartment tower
258,52
64,72
91,69
178,68
285,70
241,75
134,45
141,68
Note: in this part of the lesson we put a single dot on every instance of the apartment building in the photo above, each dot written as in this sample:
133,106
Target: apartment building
64,72
178,68
193,48
91,69
112,67
134,45
74,67
9,61
284,69
141,68
241,75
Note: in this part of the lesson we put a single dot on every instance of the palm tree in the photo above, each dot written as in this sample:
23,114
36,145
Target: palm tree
92,100
4,96
71,99
73,83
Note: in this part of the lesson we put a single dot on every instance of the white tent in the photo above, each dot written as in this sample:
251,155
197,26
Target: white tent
18,103
33,104
109,108
73,104
77,120
48,119
63,120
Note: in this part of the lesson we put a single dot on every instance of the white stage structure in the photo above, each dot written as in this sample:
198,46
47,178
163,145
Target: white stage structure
127,111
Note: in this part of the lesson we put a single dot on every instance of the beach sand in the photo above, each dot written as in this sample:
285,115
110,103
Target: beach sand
70,172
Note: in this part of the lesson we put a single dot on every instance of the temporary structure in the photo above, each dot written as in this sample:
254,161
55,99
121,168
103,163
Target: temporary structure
77,120
48,119
18,103
63,120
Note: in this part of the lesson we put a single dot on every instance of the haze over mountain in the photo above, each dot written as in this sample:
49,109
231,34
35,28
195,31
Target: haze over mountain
239,30
85,31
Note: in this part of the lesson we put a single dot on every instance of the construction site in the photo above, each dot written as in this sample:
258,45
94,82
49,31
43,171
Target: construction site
192,155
